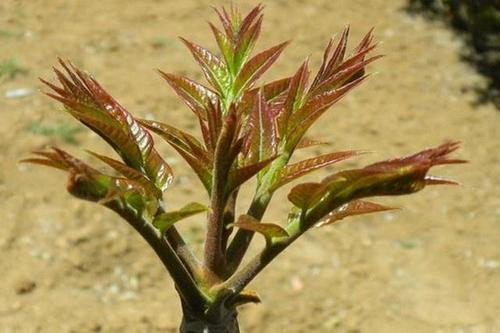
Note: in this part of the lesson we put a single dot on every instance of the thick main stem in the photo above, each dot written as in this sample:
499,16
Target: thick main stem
214,259
194,324
218,320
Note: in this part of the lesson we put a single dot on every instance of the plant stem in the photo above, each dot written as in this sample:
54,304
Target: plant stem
225,322
185,284
182,250
228,218
298,225
240,279
241,241
214,254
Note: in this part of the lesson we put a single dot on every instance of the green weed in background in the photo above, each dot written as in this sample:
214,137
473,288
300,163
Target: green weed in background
10,69
10,34
62,131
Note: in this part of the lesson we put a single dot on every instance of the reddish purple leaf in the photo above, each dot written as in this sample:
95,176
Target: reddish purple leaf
187,146
226,22
366,41
268,230
249,20
297,170
342,77
214,126
356,207
391,177
87,101
274,89
239,176
301,120
129,173
261,133
255,67
195,95
273,93
177,137
431,156
338,55
306,143
87,183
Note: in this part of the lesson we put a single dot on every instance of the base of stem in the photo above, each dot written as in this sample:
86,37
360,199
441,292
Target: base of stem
194,324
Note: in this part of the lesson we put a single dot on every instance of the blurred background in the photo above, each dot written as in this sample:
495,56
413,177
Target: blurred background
433,266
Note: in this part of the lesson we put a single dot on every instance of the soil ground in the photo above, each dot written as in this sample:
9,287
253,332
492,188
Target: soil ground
71,266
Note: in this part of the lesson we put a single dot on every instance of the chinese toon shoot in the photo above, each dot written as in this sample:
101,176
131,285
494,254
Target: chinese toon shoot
247,130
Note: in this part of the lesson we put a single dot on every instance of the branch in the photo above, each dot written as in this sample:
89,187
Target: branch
263,195
242,239
236,283
185,284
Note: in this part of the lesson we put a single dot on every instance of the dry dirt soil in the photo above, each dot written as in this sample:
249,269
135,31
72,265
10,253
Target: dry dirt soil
71,266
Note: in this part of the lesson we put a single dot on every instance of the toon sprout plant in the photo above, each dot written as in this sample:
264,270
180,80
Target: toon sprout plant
247,131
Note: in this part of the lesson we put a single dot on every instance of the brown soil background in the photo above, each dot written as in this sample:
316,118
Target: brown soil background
434,266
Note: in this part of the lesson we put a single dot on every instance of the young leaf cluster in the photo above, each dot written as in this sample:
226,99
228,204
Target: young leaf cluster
247,130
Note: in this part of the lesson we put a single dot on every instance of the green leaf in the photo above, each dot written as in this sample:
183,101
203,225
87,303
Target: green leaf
356,207
213,67
295,93
239,37
268,230
247,37
165,220
225,46
304,195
